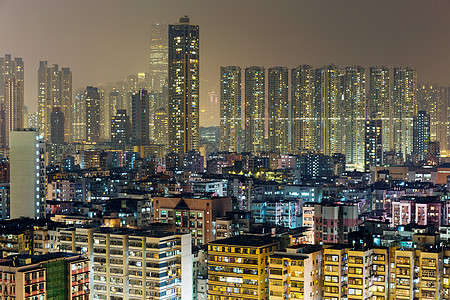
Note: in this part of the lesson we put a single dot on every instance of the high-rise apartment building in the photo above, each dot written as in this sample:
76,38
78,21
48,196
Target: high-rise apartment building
79,116
57,122
433,99
13,102
140,118
378,105
238,267
158,56
330,87
184,86
54,90
373,151
92,106
230,109
120,129
354,116
27,174
161,126
278,108
306,109
11,96
11,69
404,108
421,134
255,115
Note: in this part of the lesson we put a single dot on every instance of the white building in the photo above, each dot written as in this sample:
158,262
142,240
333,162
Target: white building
27,174
134,265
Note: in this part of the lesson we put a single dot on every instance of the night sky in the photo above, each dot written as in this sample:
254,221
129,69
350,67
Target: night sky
106,40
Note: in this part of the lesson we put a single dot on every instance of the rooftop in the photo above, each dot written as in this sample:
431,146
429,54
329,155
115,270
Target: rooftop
247,241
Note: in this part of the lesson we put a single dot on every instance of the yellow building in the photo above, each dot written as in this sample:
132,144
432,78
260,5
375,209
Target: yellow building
355,273
238,267
359,269
431,267
380,273
335,264
446,275
296,273
402,274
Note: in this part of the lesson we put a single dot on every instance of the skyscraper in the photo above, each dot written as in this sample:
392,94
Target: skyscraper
27,174
306,109
278,108
79,116
329,85
432,99
373,143
421,134
161,124
183,86
120,129
140,118
158,56
255,95
230,109
404,108
57,126
378,106
11,69
11,96
92,101
54,90
354,116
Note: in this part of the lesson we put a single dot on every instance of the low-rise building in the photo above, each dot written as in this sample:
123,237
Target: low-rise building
50,276
195,215
238,267
296,273
134,264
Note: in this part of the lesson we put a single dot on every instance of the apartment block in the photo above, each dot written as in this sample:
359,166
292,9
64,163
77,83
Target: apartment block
195,215
51,276
132,264
238,267
296,273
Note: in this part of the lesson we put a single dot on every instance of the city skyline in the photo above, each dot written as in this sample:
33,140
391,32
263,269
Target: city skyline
408,35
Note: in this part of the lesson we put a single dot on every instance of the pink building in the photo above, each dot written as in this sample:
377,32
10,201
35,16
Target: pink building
333,222
287,162
61,190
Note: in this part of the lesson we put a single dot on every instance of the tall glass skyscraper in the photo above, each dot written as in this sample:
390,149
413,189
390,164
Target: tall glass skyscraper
183,86
158,56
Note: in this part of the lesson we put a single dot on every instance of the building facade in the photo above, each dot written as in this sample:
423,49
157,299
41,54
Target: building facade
184,126
230,109
27,174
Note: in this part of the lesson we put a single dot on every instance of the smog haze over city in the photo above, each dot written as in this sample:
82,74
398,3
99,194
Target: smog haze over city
106,40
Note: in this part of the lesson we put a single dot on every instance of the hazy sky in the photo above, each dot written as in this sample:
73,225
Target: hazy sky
106,40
